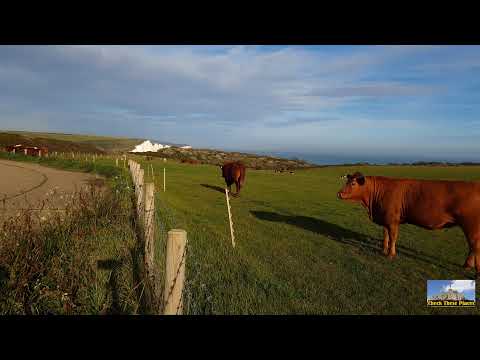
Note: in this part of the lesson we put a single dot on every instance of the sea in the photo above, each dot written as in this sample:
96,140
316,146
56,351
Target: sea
329,159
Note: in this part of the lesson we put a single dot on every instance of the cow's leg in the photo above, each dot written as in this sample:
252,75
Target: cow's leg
393,235
470,262
474,256
476,250
238,186
472,236
385,241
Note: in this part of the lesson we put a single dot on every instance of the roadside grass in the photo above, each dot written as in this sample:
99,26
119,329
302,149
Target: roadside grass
299,250
83,261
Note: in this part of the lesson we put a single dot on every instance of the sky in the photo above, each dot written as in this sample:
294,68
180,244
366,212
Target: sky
416,102
435,287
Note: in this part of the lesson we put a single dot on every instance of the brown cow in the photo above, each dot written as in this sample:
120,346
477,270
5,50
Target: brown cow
190,161
429,204
234,172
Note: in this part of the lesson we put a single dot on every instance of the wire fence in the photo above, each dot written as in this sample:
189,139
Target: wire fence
168,265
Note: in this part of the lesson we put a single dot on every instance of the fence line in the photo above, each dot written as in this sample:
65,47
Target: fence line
175,250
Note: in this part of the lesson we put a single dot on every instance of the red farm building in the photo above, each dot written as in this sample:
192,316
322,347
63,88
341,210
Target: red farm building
27,150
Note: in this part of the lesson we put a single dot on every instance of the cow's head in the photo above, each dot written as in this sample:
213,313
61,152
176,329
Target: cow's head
354,188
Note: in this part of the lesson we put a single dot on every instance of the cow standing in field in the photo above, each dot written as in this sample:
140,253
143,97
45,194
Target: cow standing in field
234,172
428,204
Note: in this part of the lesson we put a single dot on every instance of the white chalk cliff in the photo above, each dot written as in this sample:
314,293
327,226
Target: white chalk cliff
147,146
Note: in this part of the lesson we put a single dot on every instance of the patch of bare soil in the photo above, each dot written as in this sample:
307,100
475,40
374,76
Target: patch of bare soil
39,189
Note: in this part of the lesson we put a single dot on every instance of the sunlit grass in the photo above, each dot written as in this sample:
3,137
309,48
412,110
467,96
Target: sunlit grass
299,250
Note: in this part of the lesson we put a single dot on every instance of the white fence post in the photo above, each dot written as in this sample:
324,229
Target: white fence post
230,218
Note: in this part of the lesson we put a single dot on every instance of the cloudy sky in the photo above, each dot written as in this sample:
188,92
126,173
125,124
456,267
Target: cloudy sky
419,101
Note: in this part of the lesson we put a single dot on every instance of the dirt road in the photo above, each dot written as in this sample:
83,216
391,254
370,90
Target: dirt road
29,186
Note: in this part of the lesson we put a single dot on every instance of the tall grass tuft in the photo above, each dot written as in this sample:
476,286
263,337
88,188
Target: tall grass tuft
72,262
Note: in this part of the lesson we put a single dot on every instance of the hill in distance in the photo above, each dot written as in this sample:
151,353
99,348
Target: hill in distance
69,142
62,142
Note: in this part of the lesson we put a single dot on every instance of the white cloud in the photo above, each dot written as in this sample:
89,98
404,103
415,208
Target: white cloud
234,87
460,285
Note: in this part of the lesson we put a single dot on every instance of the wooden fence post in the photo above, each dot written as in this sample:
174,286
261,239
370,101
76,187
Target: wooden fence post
175,272
230,218
116,162
140,200
149,225
134,173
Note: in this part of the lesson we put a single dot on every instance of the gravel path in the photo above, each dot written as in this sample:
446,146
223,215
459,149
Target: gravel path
29,186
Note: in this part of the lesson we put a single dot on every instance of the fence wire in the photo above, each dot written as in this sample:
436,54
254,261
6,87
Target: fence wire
166,219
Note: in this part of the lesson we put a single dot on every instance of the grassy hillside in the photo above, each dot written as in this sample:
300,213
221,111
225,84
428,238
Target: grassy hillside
218,157
70,142
105,144
299,250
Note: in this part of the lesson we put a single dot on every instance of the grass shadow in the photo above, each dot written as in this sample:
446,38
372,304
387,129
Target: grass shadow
114,266
212,187
147,293
4,275
349,237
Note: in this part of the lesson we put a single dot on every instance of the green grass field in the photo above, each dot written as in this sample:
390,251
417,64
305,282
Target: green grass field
299,250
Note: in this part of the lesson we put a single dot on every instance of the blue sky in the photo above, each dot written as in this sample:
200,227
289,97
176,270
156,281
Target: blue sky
419,102
435,287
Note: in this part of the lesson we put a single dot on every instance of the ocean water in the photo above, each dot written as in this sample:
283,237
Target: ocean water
329,159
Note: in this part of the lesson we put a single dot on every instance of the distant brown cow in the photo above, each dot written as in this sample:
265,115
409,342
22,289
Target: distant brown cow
428,204
234,172
190,161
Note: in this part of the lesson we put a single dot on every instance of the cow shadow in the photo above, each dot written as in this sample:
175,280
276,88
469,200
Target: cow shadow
212,187
353,238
